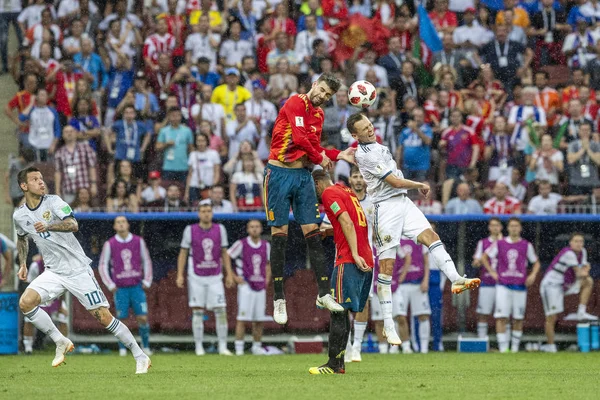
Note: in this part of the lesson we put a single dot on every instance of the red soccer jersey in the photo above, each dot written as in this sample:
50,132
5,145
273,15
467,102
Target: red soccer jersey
297,132
336,200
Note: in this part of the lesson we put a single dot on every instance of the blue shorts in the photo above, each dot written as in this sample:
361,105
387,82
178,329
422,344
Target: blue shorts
350,286
130,297
285,187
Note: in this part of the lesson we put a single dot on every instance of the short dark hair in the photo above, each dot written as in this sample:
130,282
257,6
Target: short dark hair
172,109
588,123
495,219
332,81
320,175
316,43
22,175
515,219
27,154
352,120
542,72
354,170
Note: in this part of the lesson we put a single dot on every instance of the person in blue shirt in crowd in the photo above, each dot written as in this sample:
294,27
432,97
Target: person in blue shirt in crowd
85,123
146,103
201,72
44,125
119,83
88,61
176,141
414,147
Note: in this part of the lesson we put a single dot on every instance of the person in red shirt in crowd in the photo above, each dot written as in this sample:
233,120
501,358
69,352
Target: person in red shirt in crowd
444,20
547,97
590,107
494,89
353,271
66,79
176,26
281,22
572,91
461,146
160,79
334,11
265,42
448,83
502,203
158,43
21,101
432,112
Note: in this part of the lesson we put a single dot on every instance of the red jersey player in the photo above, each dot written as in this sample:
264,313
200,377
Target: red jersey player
353,271
296,142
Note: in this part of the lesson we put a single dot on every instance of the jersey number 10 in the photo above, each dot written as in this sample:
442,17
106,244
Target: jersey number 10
362,220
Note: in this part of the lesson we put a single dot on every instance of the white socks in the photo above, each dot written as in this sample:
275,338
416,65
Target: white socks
42,321
198,328
349,345
443,261
502,342
406,346
516,341
28,344
384,293
124,335
424,330
482,329
221,320
359,334
581,309
383,348
239,347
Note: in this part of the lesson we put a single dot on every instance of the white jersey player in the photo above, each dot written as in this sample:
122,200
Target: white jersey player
50,222
396,216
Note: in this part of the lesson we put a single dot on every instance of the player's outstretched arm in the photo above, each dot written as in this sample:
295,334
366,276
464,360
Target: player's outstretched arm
22,251
350,235
407,184
68,224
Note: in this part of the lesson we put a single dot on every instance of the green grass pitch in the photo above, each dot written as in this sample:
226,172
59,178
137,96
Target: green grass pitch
186,376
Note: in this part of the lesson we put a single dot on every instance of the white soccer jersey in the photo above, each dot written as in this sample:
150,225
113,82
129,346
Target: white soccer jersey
568,259
375,162
369,210
61,251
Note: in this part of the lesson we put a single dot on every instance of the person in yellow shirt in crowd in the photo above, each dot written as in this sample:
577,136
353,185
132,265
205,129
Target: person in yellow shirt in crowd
520,18
230,93
214,16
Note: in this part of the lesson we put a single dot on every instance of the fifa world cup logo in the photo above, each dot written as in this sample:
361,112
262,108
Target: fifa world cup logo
207,246
126,258
256,262
512,256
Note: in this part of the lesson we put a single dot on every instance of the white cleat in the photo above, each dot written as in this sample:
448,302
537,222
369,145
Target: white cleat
225,352
348,355
123,352
200,351
147,351
259,352
62,349
408,350
394,350
586,317
391,336
356,356
548,348
329,303
142,365
280,312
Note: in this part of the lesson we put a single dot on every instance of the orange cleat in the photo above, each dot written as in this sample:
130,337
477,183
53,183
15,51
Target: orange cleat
465,284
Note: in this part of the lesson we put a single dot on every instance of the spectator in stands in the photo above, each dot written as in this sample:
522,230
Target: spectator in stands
20,101
241,129
455,58
39,33
234,48
130,137
579,46
569,125
499,152
360,7
213,113
245,187
593,70
215,141
460,145
282,83
72,44
204,171
367,63
12,192
9,13
160,80
185,87
125,172
263,113
406,85
44,125
515,32
547,98
75,166
429,206
516,185
548,28
119,82
234,164
521,114
583,159
154,192
245,14
282,51
334,11
205,8
444,20
502,203
547,162
471,35
589,104
519,18
281,22
248,72
335,118
119,200
230,93
546,202
146,103
173,201
463,203
86,124
414,151
305,40
175,141
83,201
160,42
392,61
217,198
201,73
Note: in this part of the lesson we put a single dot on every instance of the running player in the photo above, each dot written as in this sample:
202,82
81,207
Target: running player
130,275
396,216
50,222
57,310
252,258
513,254
487,291
352,274
569,273
296,142
204,251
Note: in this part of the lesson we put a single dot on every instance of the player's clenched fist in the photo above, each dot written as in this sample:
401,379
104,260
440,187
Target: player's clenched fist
22,274
40,227
425,190
361,263
180,281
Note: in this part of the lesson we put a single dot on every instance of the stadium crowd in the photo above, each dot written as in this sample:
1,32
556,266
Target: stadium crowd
133,105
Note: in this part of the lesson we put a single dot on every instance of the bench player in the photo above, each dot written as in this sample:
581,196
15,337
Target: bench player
396,216
50,222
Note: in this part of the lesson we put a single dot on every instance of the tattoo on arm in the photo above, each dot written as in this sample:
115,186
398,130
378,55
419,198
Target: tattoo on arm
67,225
96,314
23,249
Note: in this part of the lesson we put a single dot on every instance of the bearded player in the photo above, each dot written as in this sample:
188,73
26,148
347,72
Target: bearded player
396,216
353,271
50,222
296,144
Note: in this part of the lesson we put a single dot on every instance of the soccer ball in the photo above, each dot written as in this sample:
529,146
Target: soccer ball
362,94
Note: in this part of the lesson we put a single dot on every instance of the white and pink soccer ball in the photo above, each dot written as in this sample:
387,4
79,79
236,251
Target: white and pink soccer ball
362,94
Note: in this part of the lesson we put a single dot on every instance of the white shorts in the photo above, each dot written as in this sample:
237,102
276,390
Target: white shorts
415,299
377,315
206,292
84,286
394,218
510,303
553,296
486,300
252,304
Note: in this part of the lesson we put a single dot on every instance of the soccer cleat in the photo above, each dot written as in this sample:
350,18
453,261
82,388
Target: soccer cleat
326,370
348,355
408,350
142,365
463,284
329,303
586,317
225,352
391,335
200,351
258,351
279,312
356,356
123,352
548,348
394,350
61,350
